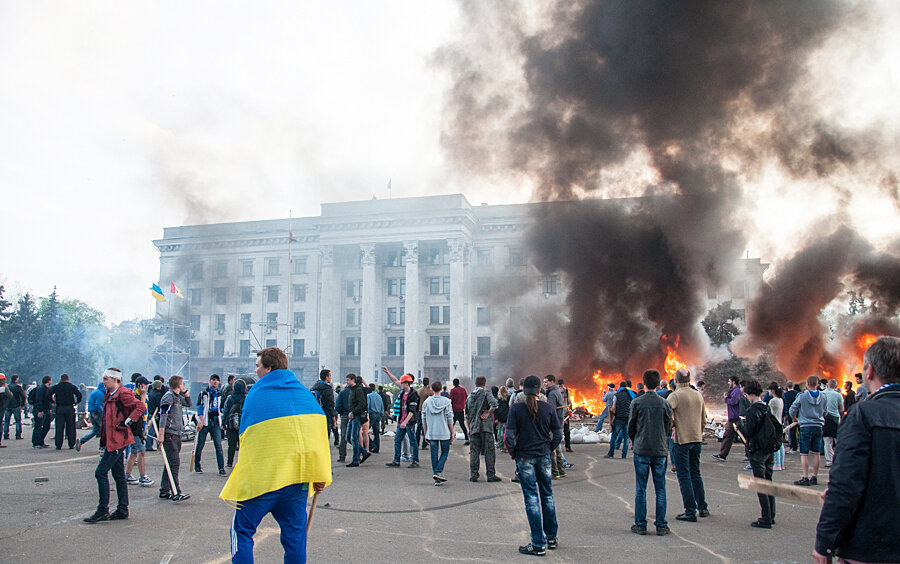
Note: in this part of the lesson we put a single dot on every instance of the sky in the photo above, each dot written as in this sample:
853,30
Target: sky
119,120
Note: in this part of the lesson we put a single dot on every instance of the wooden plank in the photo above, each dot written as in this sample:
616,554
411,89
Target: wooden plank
786,491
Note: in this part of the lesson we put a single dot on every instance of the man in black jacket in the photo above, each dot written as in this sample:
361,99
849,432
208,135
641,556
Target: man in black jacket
325,395
862,503
359,411
14,407
761,455
42,407
67,396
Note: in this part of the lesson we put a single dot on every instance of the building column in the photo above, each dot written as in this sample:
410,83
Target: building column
460,347
413,361
370,333
329,310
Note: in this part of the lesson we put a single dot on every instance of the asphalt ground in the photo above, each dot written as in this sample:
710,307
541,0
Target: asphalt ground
378,514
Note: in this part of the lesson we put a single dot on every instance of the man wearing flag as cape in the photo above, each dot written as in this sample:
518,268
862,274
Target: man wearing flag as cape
284,449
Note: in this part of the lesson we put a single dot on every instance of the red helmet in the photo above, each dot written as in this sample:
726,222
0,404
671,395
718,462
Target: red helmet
407,378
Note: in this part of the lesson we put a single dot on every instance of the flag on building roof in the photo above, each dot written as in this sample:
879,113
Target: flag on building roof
157,293
283,437
176,291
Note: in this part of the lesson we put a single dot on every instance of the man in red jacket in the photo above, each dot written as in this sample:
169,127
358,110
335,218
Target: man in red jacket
120,408
458,397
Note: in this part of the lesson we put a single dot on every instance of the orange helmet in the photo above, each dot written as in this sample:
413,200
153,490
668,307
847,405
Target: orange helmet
407,378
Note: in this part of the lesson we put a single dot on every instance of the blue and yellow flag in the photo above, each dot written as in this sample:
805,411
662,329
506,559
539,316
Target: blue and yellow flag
157,293
283,437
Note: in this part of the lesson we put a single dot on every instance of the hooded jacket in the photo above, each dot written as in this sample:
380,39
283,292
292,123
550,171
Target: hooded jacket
437,412
117,407
809,409
326,393
480,401
235,400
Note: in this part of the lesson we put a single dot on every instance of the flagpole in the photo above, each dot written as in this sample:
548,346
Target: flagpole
290,279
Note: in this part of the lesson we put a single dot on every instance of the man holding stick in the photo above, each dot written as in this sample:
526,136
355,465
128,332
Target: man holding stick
862,503
171,424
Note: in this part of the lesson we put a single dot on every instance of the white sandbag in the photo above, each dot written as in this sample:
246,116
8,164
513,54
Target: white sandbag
460,436
388,434
592,438
577,439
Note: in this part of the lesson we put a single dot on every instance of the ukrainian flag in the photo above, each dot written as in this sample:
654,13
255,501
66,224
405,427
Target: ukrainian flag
157,293
283,438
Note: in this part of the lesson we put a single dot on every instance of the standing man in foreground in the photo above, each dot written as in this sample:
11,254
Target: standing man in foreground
171,424
209,413
284,449
859,517
809,410
649,427
732,401
689,418
325,395
458,396
120,408
479,411
42,406
14,407
532,433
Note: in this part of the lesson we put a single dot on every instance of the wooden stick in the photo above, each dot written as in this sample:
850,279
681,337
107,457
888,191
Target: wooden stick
791,426
194,450
162,451
787,491
312,511
741,435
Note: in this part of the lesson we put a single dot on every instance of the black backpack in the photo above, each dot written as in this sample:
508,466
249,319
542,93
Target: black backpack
32,396
769,434
234,418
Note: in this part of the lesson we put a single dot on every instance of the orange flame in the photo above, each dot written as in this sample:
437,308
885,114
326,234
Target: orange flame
673,361
591,400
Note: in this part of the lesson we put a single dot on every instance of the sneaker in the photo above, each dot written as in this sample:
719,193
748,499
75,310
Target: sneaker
198,470
703,513
473,478
181,497
341,460
438,482
353,465
662,531
813,481
494,479
748,467
393,464
569,465
746,460
145,481
638,530
554,476
760,524
466,443
804,481
778,468
97,517
228,466
222,472
365,457
37,447
118,516
562,474
533,550
624,454
439,478
552,543
413,465
718,457
690,518
569,449
165,495
607,456
77,446
515,479
404,459
131,479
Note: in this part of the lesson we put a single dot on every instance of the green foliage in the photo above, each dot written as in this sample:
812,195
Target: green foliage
719,324
716,375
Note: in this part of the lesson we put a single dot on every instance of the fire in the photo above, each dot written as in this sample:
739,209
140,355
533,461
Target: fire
845,372
864,341
592,400
673,361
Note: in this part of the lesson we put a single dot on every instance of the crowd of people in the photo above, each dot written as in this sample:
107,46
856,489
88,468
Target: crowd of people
857,432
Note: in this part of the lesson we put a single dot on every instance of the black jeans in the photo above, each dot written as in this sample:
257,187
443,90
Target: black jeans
568,435
374,425
215,431
233,439
65,425
172,449
762,465
460,417
342,445
115,461
41,428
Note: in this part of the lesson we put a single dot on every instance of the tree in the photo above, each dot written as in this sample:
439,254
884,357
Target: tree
716,374
719,324
21,336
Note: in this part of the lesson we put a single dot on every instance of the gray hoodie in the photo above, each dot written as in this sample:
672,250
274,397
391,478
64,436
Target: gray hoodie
811,410
438,413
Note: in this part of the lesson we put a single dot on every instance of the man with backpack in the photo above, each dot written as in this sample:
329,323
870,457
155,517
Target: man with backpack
14,407
234,406
763,434
324,394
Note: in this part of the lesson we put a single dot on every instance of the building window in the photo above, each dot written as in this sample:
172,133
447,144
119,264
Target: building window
485,257
483,315
393,286
434,345
446,315
396,346
299,292
245,347
218,347
220,322
300,265
351,346
549,284
271,321
272,294
402,316
196,297
271,343
392,316
221,269
246,268
354,289
195,348
516,258
273,265
195,323
737,291
245,321
434,286
299,319
197,271
403,286
351,317
446,284
435,312
445,342
484,346
246,294
299,348
395,258
220,296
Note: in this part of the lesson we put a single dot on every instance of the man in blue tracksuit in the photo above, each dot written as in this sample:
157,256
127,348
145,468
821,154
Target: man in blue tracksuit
208,411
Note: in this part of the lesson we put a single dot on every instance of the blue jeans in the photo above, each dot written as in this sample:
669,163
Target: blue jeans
149,443
10,412
95,421
534,477
811,440
603,416
115,461
687,464
619,433
643,465
288,507
437,464
413,445
215,431
353,429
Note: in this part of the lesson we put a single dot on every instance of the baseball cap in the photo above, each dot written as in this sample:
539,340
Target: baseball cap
532,385
407,378
142,380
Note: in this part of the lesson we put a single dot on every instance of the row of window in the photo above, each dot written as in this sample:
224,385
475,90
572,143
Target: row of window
272,293
246,321
298,347
396,346
272,268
